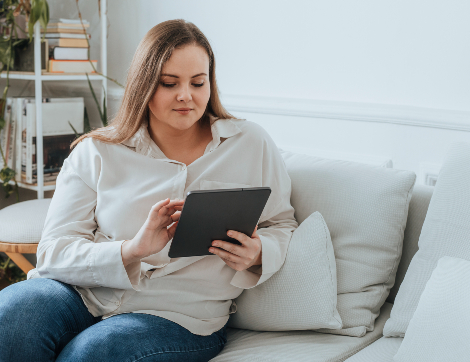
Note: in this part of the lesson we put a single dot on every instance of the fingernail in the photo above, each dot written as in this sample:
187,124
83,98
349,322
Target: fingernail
229,233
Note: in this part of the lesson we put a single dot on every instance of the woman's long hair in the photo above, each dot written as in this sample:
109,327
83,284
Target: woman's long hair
144,76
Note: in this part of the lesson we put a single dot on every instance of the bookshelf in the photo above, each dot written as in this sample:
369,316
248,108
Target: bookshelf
45,76
39,76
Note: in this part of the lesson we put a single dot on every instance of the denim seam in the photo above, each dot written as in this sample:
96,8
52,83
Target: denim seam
182,351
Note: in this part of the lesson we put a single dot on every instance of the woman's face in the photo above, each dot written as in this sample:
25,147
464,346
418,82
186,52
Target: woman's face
184,90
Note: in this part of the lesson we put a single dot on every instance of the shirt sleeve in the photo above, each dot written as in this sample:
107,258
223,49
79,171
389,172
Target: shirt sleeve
67,250
277,222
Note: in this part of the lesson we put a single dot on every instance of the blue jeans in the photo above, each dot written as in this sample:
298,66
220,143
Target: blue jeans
46,320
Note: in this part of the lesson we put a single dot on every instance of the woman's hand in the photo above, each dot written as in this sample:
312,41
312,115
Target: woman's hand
154,234
239,257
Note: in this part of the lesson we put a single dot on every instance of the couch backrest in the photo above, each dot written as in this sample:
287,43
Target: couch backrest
419,204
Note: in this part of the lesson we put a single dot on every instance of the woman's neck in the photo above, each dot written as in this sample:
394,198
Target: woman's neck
180,144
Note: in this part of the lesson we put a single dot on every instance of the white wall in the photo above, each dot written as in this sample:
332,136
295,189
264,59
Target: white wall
411,59
394,77
410,52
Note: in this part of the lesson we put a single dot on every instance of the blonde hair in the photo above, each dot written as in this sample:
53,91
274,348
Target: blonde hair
144,76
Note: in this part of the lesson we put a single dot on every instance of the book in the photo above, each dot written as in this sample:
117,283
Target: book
26,149
64,30
68,42
57,135
55,150
15,130
67,35
9,156
58,24
72,66
17,108
5,140
60,53
2,134
71,21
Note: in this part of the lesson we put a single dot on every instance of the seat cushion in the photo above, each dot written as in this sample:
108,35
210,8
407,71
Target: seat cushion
23,222
382,350
302,294
445,232
365,208
299,346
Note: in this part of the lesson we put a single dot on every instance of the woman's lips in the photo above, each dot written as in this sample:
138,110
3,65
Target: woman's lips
183,111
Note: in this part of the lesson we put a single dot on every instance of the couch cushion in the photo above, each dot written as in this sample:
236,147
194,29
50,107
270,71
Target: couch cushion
244,345
365,208
382,350
419,204
445,232
302,294
438,330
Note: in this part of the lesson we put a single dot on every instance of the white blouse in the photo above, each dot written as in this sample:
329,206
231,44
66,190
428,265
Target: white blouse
103,195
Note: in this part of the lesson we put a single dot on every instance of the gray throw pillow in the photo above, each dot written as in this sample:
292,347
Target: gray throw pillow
302,294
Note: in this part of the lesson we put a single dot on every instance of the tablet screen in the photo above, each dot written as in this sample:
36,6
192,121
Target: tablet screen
207,215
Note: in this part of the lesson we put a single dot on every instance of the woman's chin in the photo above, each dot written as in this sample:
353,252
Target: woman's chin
183,122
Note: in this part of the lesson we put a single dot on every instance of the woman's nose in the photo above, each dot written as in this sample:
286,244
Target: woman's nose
184,95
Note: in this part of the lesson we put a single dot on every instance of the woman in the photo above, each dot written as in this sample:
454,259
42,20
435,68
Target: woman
104,288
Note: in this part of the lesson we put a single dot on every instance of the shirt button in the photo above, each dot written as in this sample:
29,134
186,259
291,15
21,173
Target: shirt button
184,167
117,303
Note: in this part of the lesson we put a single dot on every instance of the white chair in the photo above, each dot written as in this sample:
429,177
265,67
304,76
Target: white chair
21,226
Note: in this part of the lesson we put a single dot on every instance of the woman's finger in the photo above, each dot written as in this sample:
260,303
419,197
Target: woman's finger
176,216
230,264
166,223
160,204
242,238
172,229
226,255
230,247
165,209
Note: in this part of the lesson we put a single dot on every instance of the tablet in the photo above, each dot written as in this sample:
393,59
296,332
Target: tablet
207,215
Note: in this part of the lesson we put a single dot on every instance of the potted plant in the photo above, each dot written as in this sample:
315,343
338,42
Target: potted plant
17,19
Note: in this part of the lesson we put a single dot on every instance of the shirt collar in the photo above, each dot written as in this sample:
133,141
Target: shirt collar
143,143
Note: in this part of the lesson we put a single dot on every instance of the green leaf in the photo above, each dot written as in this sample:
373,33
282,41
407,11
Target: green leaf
7,174
94,97
39,12
75,131
105,112
86,122
45,14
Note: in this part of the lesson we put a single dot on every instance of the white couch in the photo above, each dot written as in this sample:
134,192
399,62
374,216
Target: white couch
451,197
306,345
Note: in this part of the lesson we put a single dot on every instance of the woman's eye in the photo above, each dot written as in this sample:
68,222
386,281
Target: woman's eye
198,84
168,85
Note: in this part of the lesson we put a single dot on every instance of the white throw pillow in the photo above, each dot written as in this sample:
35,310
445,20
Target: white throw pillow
302,294
438,330
445,232
366,209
